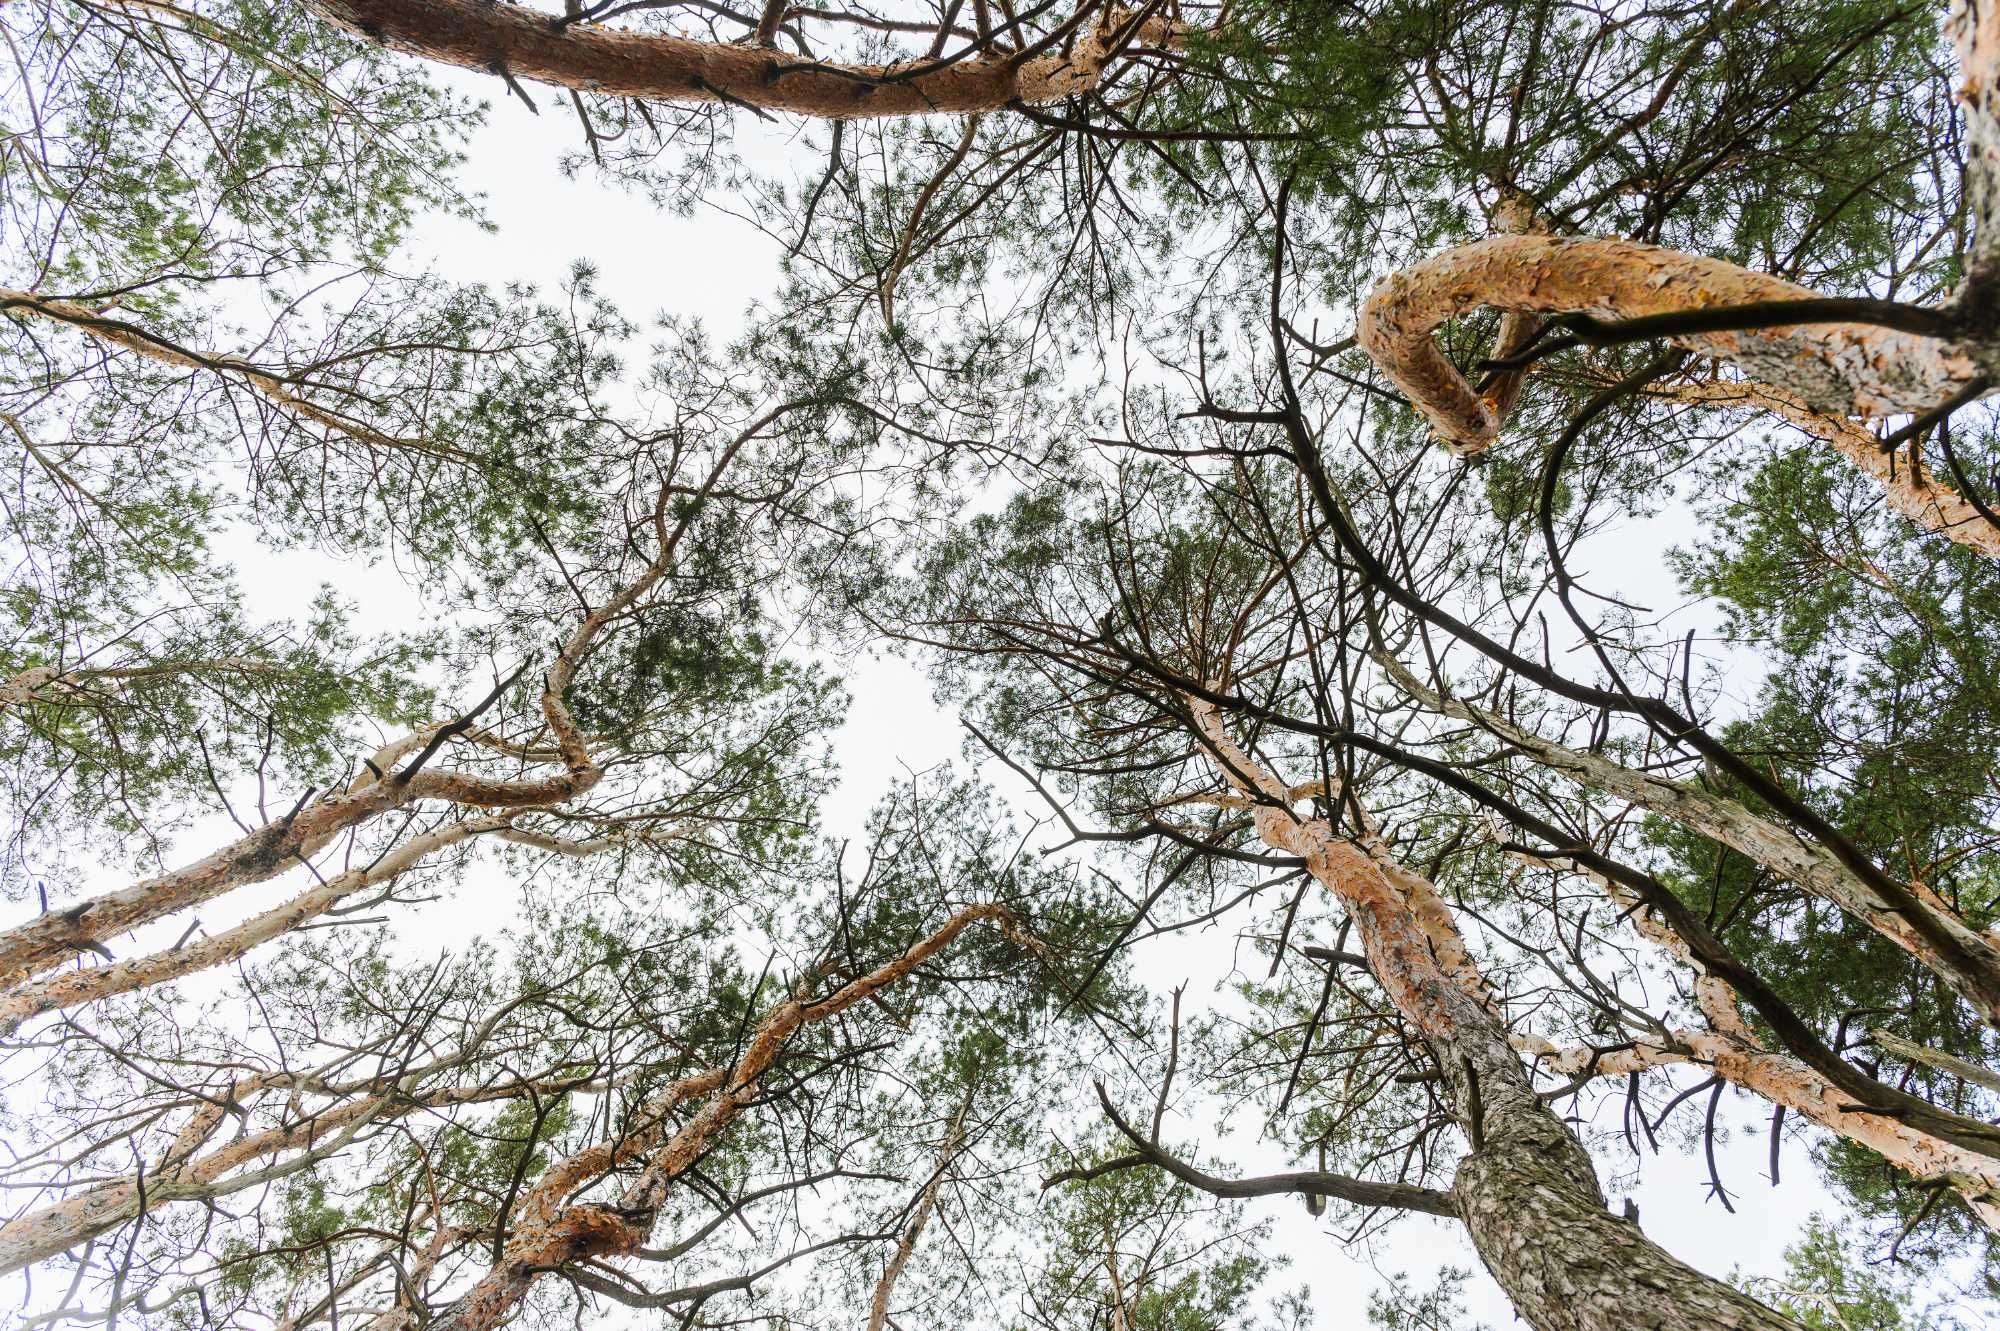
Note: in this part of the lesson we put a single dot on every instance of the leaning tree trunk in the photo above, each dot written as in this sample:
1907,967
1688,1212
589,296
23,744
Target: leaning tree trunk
520,42
906,1245
1527,1190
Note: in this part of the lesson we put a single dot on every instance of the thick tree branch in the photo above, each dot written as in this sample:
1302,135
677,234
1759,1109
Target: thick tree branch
1833,367
1310,1183
590,57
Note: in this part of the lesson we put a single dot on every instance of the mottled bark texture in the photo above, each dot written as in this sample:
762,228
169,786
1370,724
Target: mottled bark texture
527,44
1836,369
1527,1189
1974,29
1815,374
548,1230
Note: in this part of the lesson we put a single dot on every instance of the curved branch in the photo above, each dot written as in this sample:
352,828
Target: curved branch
1311,1183
269,850
550,1232
1839,368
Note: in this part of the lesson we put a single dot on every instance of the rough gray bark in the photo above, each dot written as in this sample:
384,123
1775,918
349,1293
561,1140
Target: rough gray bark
1527,1189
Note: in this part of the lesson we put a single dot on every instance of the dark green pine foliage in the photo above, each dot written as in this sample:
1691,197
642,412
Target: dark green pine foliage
1881,710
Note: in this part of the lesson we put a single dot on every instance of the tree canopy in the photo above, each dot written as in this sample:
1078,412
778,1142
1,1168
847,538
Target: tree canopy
1478,520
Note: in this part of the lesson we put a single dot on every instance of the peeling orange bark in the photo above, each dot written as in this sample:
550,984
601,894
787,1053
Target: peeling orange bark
1974,29
587,57
549,1231
1837,369
1527,1189
1732,1051
1911,490
1826,371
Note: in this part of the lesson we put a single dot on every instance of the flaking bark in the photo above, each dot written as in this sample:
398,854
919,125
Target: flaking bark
550,1231
1909,486
535,47
1527,1189
1974,29
1835,369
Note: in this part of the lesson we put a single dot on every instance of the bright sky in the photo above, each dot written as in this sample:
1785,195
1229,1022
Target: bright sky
712,265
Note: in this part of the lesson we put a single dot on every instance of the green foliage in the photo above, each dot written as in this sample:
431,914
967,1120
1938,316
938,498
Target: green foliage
1881,710
1438,1308
192,701
209,142
1135,1248
236,181
1828,1287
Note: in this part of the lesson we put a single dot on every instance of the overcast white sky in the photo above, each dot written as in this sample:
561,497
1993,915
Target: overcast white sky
712,265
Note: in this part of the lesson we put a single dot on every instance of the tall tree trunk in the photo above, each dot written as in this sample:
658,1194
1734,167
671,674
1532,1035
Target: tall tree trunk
1527,1189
